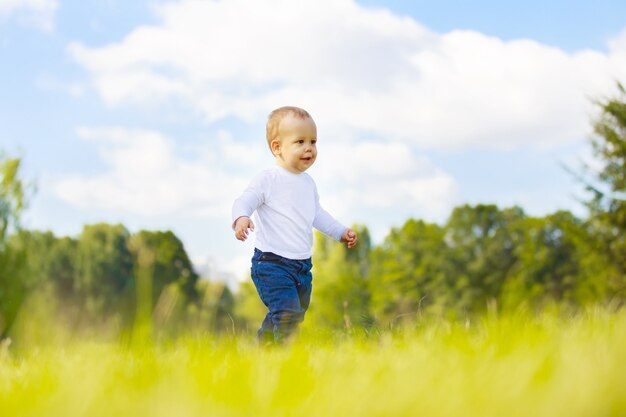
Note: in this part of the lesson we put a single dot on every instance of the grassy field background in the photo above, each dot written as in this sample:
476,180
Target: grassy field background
513,365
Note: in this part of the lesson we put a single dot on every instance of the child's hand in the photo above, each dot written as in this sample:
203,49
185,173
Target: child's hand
243,227
349,237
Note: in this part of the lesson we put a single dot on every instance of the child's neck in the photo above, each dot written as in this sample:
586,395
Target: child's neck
281,164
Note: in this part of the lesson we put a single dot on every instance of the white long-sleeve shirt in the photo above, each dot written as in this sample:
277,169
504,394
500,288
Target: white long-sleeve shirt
287,209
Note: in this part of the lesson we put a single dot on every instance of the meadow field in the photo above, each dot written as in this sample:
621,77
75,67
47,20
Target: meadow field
513,365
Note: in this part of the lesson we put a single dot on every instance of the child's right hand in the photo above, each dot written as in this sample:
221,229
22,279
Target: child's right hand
243,227
349,237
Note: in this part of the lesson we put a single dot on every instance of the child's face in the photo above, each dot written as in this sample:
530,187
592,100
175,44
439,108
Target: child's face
295,148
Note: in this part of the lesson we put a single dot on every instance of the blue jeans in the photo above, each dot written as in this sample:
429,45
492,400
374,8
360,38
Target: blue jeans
284,286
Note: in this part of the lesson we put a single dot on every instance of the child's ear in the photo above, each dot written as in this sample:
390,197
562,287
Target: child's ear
275,145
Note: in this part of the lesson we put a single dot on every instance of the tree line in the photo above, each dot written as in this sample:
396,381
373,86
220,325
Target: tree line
483,258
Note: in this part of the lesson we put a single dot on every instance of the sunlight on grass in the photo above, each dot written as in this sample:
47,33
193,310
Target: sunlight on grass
507,366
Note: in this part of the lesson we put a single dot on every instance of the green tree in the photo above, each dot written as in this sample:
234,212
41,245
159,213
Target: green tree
12,202
46,273
165,280
550,255
481,244
11,196
406,271
340,282
169,264
104,279
46,258
608,186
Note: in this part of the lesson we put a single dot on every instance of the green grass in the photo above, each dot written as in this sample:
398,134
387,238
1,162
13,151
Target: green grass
516,365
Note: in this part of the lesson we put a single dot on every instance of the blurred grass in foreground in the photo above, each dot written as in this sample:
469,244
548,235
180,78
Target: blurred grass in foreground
516,365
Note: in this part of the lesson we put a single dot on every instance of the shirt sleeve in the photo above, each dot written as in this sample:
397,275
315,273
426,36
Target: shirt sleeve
325,222
252,197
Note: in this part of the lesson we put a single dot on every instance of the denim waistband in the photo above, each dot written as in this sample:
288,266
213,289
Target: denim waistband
271,256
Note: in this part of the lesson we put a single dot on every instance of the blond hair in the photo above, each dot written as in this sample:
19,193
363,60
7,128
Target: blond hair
276,116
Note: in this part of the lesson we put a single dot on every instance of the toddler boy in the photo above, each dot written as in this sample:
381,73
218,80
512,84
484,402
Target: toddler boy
287,208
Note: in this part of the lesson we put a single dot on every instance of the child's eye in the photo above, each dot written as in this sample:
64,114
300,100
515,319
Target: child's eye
301,141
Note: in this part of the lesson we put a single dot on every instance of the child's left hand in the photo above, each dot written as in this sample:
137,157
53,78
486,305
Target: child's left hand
349,237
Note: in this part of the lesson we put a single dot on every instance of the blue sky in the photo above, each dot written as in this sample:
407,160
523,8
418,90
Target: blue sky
151,113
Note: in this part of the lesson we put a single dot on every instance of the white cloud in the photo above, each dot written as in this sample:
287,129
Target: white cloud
38,13
355,68
145,176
